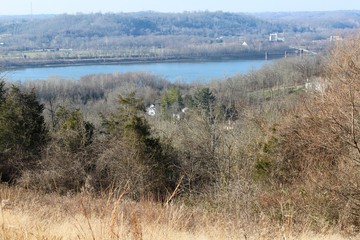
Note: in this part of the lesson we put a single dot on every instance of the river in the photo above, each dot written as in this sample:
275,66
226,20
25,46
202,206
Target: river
182,72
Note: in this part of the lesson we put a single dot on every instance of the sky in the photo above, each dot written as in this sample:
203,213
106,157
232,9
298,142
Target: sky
26,7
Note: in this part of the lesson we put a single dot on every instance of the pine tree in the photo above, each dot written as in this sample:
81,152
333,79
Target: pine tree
134,155
72,132
205,102
2,91
171,102
22,126
22,130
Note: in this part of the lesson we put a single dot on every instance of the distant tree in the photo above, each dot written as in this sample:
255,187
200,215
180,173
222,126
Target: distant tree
2,91
229,112
188,101
171,101
205,102
165,105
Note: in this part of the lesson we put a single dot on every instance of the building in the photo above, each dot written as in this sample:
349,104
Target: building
273,37
276,37
335,38
151,111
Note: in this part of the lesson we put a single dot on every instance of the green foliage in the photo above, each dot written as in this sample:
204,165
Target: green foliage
188,101
127,119
171,101
68,158
175,98
262,168
205,100
133,156
72,132
165,103
2,91
22,130
205,104
21,123
266,158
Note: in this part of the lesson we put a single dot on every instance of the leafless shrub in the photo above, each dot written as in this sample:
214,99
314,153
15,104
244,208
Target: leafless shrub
320,140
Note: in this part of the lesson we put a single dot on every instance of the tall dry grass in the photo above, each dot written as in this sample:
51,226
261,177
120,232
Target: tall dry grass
33,215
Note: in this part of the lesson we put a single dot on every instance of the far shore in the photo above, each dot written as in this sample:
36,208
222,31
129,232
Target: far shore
11,64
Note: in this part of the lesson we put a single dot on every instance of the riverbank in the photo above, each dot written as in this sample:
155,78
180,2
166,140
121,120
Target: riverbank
11,64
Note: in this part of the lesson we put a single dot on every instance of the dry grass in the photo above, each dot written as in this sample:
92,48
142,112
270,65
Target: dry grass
32,215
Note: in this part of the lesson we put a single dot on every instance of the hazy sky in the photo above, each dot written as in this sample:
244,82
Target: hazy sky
16,7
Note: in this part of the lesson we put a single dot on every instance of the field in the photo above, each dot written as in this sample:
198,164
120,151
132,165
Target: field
31,215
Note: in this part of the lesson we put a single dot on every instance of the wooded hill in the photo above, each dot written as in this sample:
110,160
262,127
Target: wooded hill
111,31
62,31
315,20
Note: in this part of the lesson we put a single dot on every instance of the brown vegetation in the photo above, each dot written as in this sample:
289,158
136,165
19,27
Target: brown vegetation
255,156
31,215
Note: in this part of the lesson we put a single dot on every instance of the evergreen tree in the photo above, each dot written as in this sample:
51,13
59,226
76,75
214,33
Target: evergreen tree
72,132
134,155
2,91
165,105
204,99
188,101
171,101
175,99
22,130
22,126
205,102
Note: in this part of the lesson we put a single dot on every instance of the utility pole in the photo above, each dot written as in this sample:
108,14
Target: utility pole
31,11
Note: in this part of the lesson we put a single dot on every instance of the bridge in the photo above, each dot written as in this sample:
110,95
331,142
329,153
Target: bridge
291,51
303,50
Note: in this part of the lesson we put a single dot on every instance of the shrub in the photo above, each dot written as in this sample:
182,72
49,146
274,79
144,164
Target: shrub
132,158
22,131
68,159
320,139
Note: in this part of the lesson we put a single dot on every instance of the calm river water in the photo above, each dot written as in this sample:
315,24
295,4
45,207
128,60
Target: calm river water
184,72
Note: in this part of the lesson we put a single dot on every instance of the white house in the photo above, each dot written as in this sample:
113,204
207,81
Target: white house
151,111
317,85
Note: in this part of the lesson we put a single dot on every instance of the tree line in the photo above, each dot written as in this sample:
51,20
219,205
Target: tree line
154,31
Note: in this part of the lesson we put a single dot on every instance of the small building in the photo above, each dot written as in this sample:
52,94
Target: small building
273,37
315,85
276,37
335,38
151,111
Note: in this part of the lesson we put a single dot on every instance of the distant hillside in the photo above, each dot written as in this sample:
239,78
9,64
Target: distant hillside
136,24
153,35
313,20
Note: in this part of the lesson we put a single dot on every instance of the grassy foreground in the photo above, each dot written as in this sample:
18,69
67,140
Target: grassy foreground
30,215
